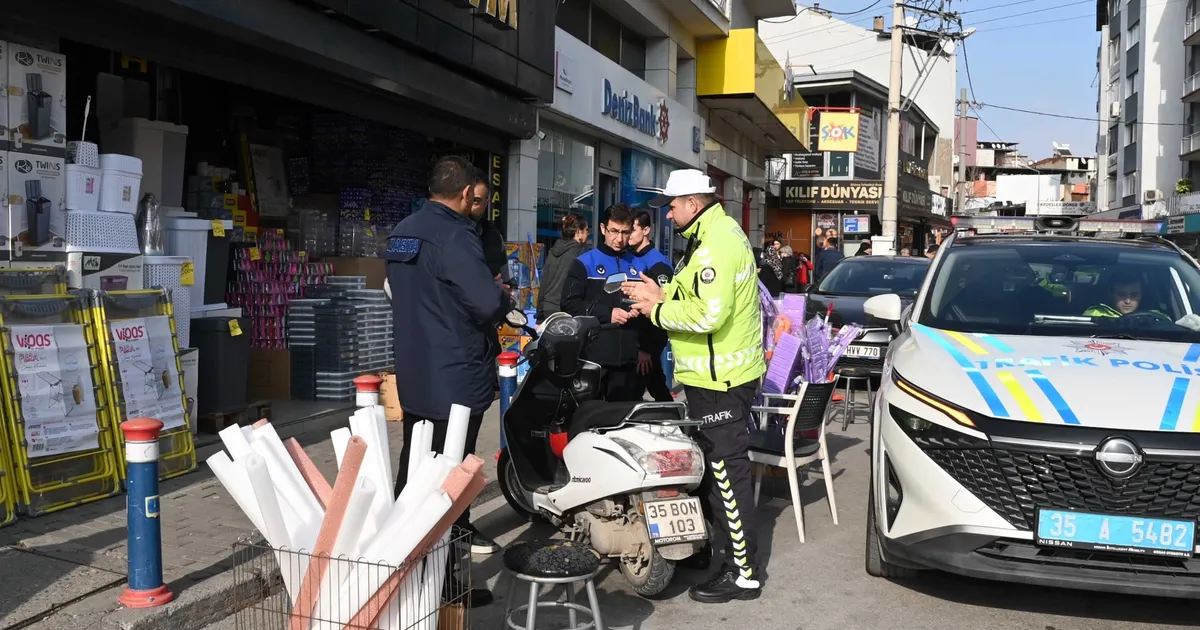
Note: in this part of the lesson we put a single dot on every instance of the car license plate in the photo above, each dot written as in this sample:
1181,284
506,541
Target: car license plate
1120,534
675,520
862,352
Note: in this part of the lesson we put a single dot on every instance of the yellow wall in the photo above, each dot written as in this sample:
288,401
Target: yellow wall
741,65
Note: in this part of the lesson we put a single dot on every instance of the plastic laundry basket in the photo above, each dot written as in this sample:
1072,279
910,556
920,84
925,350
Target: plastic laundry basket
101,232
167,272
121,183
189,237
83,188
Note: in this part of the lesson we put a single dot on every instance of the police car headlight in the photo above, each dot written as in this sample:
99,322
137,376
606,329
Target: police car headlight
955,414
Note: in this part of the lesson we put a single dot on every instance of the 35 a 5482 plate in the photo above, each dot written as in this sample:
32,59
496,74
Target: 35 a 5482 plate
675,520
1135,535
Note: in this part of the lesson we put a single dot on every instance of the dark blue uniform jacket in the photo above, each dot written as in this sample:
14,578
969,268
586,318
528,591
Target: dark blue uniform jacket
445,304
651,262
583,294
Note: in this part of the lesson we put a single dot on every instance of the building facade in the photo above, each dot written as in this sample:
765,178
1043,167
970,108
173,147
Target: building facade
1142,105
634,98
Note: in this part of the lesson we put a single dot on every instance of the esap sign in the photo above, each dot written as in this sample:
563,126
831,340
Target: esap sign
500,13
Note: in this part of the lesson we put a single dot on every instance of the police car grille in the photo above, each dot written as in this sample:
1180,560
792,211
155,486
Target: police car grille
856,362
1014,482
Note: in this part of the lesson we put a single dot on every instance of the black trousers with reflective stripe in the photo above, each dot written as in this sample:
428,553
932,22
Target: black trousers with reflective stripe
729,483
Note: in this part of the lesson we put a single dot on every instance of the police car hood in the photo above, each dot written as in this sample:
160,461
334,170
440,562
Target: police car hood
1114,384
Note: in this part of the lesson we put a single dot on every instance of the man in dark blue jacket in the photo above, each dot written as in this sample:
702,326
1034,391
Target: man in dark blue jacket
652,340
826,259
583,294
445,305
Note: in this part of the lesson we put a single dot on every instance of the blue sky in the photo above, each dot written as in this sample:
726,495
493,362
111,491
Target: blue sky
1037,55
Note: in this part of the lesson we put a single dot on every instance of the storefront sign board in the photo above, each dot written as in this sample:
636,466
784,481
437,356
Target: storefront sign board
145,354
804,165
54,380
829,194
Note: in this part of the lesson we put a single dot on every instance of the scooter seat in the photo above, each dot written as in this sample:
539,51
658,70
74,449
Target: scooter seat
600,414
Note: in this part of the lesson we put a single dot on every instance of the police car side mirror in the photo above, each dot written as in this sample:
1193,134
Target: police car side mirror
614,282
886,309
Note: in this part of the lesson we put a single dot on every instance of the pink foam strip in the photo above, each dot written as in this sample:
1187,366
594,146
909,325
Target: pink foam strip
312,476
261,422
310,588
463,484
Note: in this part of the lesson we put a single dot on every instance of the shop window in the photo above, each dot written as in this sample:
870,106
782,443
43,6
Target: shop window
606,35
566,173
575,18
839,163
633,53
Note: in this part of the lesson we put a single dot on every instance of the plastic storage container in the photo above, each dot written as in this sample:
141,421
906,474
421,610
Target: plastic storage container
193,237
83,188
161,147
120,183
167,272
224,361
101,232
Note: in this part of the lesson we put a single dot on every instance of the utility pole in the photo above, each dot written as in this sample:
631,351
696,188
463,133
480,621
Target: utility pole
960,200
891,169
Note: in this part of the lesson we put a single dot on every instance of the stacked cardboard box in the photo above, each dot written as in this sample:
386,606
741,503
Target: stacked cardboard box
33,152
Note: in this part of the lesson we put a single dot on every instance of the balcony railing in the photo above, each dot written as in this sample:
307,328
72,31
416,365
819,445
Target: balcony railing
1191,27
1190,143
1191,84
721,5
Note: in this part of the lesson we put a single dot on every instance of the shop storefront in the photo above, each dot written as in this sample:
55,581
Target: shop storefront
281,141
607,137
813,210
1184,231
753,111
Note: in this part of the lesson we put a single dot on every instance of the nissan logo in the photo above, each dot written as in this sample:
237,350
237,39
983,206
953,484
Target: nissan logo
1118,458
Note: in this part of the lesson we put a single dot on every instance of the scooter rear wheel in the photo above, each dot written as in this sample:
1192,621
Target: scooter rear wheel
506,474
654,575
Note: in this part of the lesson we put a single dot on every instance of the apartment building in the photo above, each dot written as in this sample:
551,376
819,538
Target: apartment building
1143,103
643,87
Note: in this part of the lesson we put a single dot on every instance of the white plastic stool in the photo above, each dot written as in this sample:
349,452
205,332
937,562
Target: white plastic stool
554,563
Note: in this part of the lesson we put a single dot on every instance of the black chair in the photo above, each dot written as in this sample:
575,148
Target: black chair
803,411
849,376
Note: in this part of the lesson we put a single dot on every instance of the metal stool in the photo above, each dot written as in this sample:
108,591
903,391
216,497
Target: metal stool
849,376
560,562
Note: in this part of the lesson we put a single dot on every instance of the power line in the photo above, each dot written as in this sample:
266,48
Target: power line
998,6
1071,117
1032,24
1042,10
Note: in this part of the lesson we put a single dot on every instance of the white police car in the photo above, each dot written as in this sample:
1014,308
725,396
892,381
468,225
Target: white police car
1039,417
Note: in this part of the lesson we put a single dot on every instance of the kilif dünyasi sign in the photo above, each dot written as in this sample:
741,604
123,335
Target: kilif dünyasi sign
501,13
652,119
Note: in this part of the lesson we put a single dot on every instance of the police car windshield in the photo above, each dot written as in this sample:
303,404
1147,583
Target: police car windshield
868,276
1121,289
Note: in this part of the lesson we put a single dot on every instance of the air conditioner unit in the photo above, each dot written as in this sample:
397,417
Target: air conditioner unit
1152,196
1114,109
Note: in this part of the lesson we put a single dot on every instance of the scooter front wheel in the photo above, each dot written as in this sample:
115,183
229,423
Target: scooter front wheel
514,494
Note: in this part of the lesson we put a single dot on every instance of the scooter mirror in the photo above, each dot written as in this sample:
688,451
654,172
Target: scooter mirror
516,318
613,284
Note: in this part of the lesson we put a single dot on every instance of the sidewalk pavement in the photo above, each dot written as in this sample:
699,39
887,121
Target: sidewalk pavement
65,570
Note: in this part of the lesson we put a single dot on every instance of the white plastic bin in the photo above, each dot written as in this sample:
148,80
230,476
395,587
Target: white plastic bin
162,148
120,183
167,272
83,188
189,237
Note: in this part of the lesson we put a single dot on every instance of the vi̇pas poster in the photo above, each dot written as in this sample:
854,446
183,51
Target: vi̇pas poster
54,379
145,354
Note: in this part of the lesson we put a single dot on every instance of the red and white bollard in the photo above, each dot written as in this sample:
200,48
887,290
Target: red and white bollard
366,390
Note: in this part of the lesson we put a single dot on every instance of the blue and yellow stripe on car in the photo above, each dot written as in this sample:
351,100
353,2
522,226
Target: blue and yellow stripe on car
979,344
1175,400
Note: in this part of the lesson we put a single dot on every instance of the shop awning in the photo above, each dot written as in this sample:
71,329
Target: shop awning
741,82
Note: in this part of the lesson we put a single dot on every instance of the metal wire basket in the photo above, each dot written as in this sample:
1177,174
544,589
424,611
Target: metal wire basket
417,604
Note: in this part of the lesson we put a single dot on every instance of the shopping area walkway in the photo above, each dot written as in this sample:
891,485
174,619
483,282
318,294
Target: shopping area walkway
64,570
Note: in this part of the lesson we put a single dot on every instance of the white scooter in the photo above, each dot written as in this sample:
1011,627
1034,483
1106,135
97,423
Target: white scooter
614,475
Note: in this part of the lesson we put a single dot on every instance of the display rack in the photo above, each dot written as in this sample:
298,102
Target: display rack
177,451
33,281
62,461
8,493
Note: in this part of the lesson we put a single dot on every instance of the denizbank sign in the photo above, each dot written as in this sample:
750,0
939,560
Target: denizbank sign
652,119
500,13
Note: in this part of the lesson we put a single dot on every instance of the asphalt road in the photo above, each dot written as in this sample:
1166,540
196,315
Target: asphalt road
821,583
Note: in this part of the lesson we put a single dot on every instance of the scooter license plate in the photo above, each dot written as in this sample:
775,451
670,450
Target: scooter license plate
675,520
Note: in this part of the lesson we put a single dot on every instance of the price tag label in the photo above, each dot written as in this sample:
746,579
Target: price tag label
366,214
188,276
229,202
368,232
255,254
218,228
302,254
278,232
239,218
235,329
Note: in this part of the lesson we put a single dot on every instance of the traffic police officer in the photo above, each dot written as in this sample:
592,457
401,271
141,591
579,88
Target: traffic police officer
711,312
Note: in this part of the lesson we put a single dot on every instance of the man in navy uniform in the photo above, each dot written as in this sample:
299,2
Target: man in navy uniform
446,303
653,340
583,294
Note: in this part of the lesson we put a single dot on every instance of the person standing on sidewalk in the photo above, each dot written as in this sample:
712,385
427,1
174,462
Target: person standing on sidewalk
651,339
711,312
447,304
575,241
